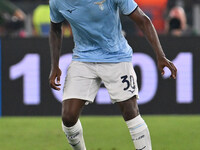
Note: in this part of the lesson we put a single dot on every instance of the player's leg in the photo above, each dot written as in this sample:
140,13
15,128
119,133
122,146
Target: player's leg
136,125
81,86
129,108
121,81
71,124
71,110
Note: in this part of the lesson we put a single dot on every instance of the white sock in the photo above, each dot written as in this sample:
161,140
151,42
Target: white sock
74,136
139,133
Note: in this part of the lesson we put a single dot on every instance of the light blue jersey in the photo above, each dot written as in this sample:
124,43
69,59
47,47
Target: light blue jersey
96,28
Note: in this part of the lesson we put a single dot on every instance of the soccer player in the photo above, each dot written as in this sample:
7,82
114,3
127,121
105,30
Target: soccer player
101,54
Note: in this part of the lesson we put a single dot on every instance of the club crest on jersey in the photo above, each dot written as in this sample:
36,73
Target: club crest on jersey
101,7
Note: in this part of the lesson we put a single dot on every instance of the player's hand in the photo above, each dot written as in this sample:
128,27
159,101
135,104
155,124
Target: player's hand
55,76
164,62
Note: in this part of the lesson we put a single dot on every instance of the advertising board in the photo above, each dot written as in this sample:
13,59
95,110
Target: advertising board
26,67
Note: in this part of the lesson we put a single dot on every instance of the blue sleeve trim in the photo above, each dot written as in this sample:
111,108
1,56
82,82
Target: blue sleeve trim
132,11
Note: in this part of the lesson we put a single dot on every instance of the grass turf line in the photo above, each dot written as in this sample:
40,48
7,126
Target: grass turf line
100,132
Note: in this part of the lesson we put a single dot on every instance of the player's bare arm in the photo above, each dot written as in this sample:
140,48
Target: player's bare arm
55,40
146,26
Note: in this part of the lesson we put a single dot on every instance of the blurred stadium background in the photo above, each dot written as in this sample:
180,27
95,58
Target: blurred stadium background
30,110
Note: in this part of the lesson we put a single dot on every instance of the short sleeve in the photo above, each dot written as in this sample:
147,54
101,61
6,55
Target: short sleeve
55,15
126,6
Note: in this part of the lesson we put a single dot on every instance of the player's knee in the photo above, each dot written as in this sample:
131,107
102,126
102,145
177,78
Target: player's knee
130,113
69,118
135,111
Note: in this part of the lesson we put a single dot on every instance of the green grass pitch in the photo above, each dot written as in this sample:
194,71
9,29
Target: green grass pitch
100,132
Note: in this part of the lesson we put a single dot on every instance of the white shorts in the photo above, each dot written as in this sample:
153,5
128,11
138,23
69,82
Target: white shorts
84,79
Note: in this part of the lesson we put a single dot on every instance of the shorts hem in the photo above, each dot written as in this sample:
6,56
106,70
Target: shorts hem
80,98
125,99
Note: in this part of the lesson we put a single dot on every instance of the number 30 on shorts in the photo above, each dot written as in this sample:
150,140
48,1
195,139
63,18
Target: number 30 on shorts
129,81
